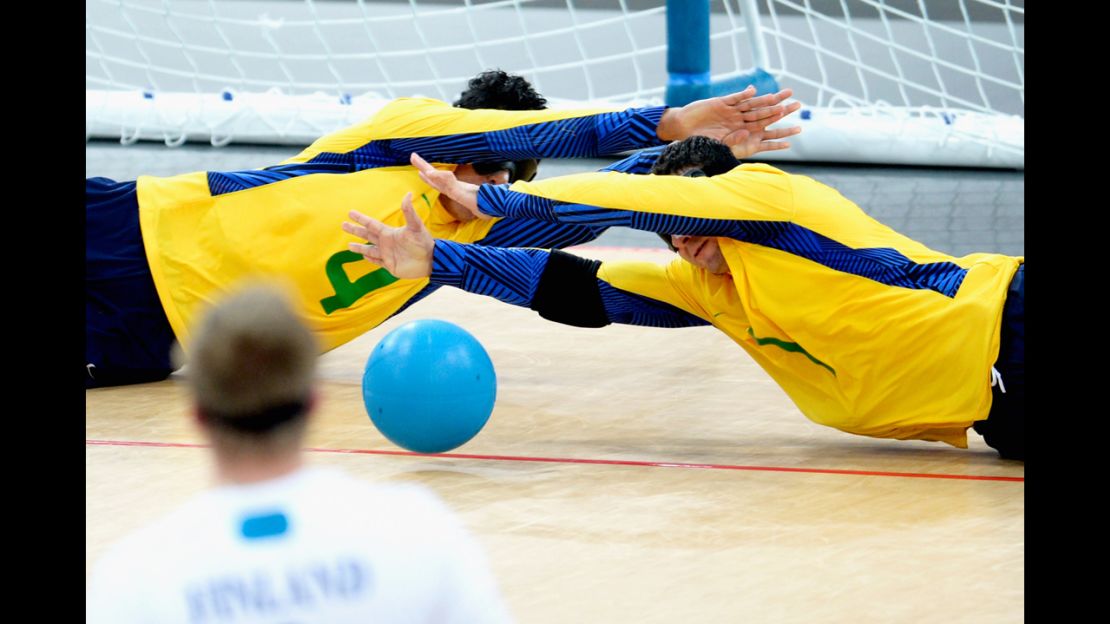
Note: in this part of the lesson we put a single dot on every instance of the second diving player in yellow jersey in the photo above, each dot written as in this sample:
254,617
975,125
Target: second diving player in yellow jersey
866,330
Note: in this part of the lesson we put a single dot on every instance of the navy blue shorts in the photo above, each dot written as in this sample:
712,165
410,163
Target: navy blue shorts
1004,428
127,336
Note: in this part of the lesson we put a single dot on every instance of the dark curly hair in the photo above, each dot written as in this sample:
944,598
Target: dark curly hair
498,89
707,155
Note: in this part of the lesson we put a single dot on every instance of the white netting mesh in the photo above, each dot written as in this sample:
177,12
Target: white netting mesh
866,52
289,71
906,82
389,48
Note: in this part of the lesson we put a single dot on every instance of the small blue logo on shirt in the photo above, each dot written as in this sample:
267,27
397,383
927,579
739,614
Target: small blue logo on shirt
269,525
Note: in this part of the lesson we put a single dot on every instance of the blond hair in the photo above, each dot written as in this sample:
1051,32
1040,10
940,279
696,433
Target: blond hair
251,367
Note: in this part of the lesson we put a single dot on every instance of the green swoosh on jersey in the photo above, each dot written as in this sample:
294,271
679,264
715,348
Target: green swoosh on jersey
792,347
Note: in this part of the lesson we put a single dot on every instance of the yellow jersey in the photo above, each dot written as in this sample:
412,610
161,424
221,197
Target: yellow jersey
866,330
204,232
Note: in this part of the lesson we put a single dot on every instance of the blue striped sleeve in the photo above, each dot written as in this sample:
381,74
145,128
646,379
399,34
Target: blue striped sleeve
501,201
533,233
579,137
883,264
628,308
639,163
512,276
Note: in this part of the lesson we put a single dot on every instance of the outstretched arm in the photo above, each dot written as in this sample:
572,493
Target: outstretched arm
444,133
559,286
745,198
639,163
548,235
739,120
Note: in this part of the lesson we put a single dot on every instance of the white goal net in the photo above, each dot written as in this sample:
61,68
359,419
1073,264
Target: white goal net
895,81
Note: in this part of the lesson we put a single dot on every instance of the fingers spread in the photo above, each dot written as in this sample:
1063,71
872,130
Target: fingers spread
781,133
372,253
412,220
779,96
372,226
771,103
763,100
356,230
762,113
736,138
358,217
733,99
778,115
366,221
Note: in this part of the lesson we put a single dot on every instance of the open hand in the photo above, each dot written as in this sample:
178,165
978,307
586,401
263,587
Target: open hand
406,252
738,119
757,137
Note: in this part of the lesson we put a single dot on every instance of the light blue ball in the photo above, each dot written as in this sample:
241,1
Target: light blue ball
429,386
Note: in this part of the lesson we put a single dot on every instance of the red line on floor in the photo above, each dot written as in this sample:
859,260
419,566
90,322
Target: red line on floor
607,462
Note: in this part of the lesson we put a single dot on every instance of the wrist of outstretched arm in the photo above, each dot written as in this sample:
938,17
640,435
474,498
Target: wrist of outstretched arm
496,200
654,115
448,263
630,129
491,200
509,275
669,127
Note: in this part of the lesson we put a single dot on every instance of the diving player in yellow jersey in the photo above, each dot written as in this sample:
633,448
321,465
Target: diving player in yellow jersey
866,330
160,250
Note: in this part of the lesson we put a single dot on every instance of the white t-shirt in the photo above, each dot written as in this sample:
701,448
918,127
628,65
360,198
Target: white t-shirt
314,546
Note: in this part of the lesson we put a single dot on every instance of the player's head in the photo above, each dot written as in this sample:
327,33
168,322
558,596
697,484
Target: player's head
697,152
498,89
696,156
503,91
251,369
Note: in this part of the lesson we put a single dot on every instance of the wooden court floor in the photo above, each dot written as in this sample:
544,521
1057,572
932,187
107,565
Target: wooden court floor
711,498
